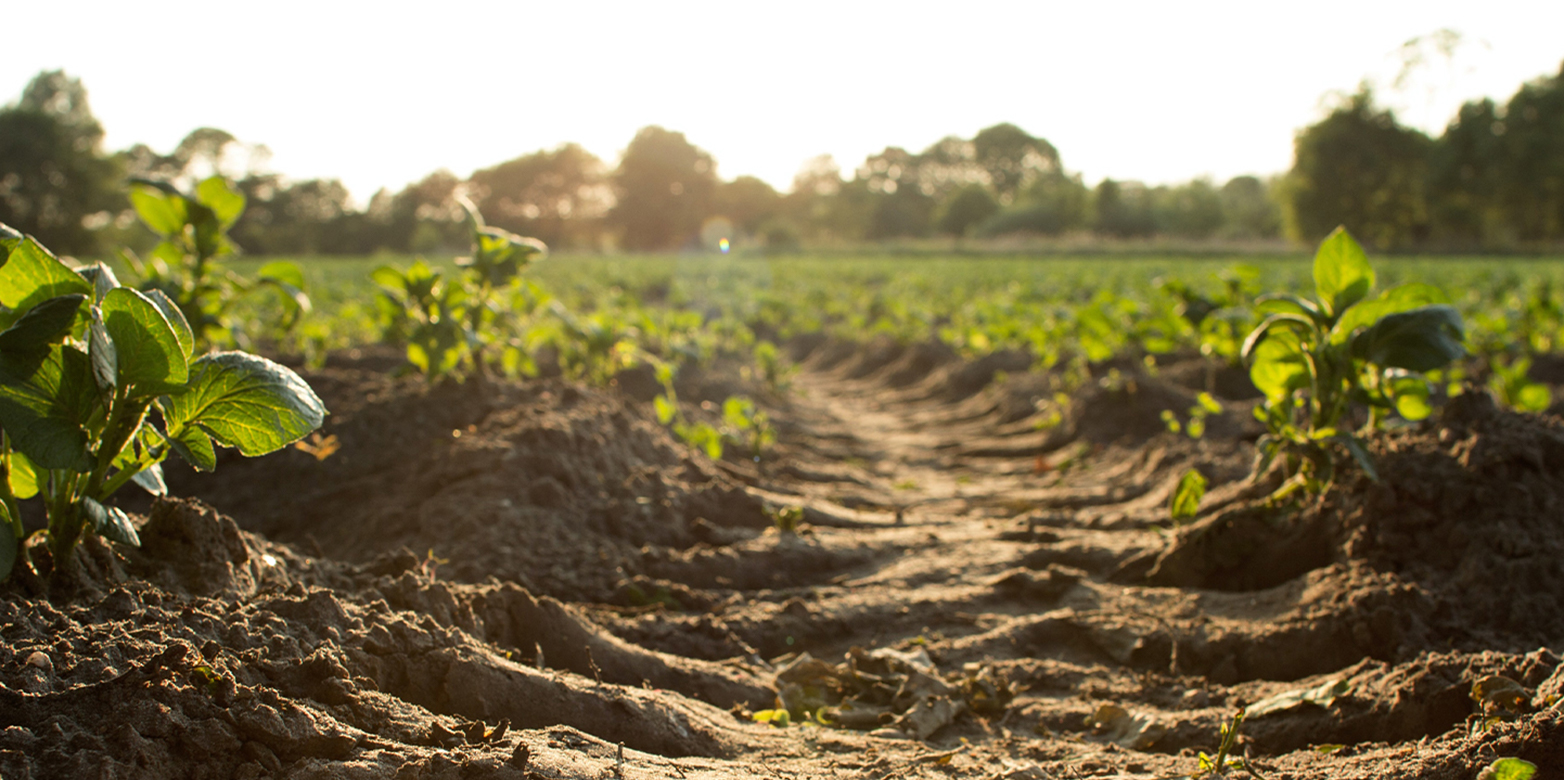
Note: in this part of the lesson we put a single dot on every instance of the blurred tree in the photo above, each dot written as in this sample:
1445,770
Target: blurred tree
423,217
664,186
1531,178
315,216
1190,210
748,201
1051,205
1122,210
965,209
54,178
1249,209
900,207
1358,167
1013,159
559,195
1466,170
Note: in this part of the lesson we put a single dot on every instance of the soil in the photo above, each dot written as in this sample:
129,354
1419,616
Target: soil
535,580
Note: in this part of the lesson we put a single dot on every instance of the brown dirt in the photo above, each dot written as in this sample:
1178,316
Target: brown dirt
981,572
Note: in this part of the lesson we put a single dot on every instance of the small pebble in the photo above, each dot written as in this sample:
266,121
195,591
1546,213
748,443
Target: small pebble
41,660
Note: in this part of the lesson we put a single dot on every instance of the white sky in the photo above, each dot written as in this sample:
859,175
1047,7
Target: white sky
380,94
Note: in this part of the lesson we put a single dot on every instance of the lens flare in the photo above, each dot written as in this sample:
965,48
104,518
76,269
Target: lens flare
723,245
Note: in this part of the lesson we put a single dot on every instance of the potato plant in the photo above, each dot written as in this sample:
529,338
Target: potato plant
99,383
1318,360
186,265
452,325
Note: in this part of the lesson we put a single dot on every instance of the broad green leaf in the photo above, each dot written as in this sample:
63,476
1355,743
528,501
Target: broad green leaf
1421,339
1533,397
1397,299
1342,275
47,323
1185,502
1281,322
34,275
1279,366
151,480
196,448
23,477
1409,392
246,402
1509,769
100,346
151,359
10,548
110,522
165,212
46,398
1323,695
284,271
1287,303
176,321
225,202
389,278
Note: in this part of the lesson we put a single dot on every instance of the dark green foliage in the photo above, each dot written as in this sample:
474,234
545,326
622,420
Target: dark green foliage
53,174
1361,169
1317,360
454,326
664,186
99,383
186,265
965,209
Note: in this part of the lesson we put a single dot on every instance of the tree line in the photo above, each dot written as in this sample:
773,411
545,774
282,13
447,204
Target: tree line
1493,180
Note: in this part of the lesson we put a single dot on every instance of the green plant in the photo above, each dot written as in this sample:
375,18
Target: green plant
1219,764
748,425
186,263
99,383
1317,360
1184,504
1509,381
450,325
1195,427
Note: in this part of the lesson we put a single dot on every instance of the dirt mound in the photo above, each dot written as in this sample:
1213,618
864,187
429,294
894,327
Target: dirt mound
1468,508
223,655
549,484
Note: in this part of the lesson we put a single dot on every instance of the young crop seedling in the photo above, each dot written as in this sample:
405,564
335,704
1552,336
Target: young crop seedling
1317,361
1184,504
99,383
186,264
450,325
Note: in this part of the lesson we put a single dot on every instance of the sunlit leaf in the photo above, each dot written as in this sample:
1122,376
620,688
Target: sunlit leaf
225,201
246,402
1342,275
1185,503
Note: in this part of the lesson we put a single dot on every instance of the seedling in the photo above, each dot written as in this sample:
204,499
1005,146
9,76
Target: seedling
1185,502
748,425
1220,764
450,326
1318,360
84,364
186,264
